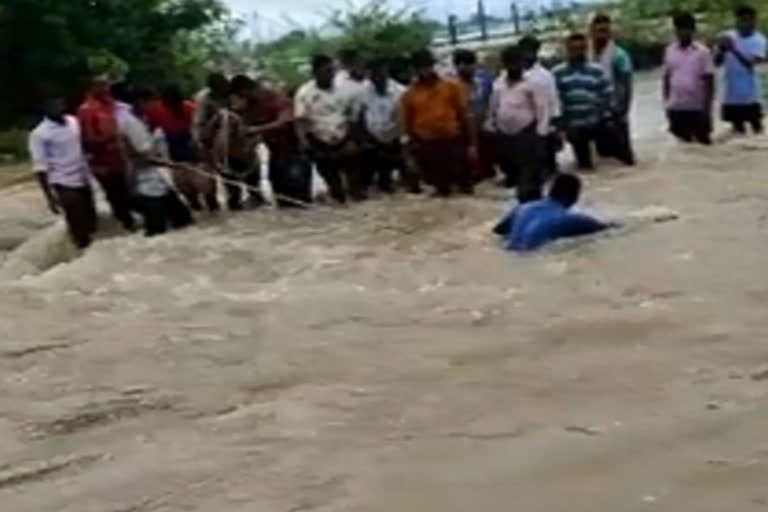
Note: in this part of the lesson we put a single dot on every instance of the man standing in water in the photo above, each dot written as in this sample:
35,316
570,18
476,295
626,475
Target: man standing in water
689,84
478,85
544,82
437,128
379,118
614,138
62,170
586,97
324,115
741,50
98,124
519,115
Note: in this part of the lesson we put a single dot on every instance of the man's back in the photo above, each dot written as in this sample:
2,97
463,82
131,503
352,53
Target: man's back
541,222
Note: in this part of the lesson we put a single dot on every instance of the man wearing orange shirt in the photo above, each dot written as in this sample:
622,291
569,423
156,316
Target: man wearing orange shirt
437,127
101,140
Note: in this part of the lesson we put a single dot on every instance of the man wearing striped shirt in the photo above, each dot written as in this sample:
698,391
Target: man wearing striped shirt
586,97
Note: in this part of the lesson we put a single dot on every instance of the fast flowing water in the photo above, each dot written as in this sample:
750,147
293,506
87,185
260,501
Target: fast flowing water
391,357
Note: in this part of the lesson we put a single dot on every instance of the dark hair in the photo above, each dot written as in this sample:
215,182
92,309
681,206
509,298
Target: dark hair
215,79
462,56
321,60
422,58
378,63
123,91
173,98
577,37
241,83
511,55
601,18
744,11
530,42
566,189
684,20
348,56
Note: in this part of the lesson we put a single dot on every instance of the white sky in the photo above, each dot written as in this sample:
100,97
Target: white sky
274,15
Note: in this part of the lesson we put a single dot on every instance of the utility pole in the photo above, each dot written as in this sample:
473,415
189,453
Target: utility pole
516,17
453,34
482,20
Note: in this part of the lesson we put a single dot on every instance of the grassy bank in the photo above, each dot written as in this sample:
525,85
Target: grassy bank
13,174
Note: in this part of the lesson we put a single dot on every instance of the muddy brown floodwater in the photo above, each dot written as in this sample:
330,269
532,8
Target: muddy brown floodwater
392,358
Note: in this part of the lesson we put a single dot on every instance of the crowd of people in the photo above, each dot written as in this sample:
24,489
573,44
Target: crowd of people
362,123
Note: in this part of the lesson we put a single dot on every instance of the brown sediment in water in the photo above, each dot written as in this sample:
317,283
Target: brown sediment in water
398,360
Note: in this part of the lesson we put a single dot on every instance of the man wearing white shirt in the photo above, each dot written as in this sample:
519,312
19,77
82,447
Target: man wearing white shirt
380,120
519,115
57,156
324,118
157,201
545,82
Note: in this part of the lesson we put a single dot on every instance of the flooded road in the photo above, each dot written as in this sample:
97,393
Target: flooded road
391,357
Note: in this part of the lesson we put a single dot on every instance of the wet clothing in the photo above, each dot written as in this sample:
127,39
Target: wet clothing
743,85
56,151
541,222
290,172
79,210
444,164
691,125
520,157
741,115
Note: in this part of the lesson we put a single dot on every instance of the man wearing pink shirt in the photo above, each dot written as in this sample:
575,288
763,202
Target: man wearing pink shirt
520,116
689,84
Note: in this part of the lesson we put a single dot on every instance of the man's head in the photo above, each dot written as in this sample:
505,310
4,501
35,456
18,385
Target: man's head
465,62
566,189
514,64
241,91
400,69
423,63
218,85
576,47
100,87
378,70
530,46
123,92
242,85
171,95
746,20
54,109
685,27
351,61
601,29
323,71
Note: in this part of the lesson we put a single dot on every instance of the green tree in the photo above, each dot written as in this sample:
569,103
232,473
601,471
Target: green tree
52,46
374,29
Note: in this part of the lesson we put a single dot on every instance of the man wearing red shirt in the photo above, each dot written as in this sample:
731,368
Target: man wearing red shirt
270,114
101,141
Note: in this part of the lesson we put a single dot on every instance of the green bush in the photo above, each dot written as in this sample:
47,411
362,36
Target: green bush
13,145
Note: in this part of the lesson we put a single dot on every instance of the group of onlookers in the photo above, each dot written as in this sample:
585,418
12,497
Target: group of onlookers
359,122
689,78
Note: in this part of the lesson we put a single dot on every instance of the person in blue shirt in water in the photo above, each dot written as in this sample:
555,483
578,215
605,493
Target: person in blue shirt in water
741,51
535,224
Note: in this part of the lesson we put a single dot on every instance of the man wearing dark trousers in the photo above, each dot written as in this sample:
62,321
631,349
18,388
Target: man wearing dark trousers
586,97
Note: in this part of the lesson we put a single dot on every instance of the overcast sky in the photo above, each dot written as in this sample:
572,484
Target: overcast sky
274,16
